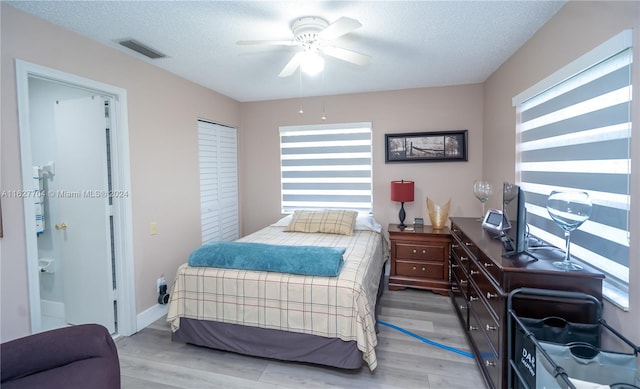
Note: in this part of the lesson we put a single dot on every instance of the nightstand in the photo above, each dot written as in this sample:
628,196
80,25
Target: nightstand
419,258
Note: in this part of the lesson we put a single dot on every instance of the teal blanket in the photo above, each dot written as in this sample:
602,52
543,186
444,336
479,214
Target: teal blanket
305,260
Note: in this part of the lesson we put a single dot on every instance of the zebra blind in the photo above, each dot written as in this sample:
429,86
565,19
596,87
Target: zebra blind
326,166
217,155
576,135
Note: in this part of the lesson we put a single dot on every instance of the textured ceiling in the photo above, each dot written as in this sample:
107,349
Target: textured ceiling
412,44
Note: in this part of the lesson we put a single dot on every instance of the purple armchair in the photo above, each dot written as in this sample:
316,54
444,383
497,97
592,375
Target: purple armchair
82,356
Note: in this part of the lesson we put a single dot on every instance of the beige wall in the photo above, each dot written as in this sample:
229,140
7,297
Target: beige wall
412,110
163,110
577,28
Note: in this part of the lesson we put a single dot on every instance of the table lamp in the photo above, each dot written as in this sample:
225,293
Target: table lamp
402,191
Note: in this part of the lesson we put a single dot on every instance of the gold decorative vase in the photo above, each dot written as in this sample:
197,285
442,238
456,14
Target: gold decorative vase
438,214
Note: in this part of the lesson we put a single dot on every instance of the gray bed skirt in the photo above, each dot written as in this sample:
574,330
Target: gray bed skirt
276,344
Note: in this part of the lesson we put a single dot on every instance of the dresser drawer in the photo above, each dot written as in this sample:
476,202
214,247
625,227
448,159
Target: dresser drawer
484,289
464,241
460,273
489,266
420,251
485,317
461,291
459,253
486,355
459,298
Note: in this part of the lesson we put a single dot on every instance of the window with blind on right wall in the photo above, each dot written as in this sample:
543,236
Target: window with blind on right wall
574,133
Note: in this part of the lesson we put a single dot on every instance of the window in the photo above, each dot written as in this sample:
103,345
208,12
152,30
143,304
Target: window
326,166
573,133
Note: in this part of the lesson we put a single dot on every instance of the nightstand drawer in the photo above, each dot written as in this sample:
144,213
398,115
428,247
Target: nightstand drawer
420,269
422,251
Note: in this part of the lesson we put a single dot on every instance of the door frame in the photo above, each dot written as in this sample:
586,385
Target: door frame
121,178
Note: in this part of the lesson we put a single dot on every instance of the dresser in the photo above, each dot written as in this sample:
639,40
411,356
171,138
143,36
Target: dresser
481,279
419,258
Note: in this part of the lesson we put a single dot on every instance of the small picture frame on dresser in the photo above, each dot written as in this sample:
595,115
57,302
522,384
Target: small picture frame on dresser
418,222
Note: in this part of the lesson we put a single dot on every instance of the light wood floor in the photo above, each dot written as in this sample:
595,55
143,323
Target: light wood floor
149,359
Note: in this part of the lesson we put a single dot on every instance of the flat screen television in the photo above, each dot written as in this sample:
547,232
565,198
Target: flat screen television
514,237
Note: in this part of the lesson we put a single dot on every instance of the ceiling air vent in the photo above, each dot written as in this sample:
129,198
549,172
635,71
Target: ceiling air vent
142,49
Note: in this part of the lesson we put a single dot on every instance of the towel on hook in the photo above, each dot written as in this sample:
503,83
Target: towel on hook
38,199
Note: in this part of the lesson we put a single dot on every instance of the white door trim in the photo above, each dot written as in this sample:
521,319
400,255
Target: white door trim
121,180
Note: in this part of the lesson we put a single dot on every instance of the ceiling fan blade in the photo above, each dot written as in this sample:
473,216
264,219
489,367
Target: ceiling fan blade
269,43
338,28
292,65
347,55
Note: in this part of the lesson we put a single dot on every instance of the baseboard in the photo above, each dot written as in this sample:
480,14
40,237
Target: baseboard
150,315
52,309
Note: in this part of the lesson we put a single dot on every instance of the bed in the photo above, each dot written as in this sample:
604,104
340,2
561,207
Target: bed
327,320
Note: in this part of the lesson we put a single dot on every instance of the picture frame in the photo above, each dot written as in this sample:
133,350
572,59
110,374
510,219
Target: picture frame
426,146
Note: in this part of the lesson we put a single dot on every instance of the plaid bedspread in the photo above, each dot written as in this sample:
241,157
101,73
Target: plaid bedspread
335,307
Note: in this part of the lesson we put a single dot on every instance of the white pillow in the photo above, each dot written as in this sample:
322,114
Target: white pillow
367,223
283,222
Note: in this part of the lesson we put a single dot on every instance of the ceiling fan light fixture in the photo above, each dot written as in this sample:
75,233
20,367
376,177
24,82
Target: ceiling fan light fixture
312,63
314,36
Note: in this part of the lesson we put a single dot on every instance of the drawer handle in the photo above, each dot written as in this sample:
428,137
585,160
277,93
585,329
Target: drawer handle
463,282
491,328
473,298
488,264
473,328
424,268
474,272
468,244
491,295
453,265
489,363
424,251
414,268
464,259
414,251
455,246
462,307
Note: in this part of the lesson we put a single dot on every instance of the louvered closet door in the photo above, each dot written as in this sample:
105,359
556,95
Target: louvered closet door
218,147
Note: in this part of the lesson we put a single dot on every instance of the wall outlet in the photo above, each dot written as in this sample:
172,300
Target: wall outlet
153,230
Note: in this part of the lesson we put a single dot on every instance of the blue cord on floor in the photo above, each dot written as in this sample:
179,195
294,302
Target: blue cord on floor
425,340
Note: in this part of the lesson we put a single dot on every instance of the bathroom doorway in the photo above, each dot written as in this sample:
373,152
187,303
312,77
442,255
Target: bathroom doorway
74,147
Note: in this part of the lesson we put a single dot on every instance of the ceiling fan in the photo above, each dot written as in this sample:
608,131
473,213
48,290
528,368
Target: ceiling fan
314,35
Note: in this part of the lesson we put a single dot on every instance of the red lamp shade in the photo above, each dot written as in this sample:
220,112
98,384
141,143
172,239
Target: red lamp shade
402,191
